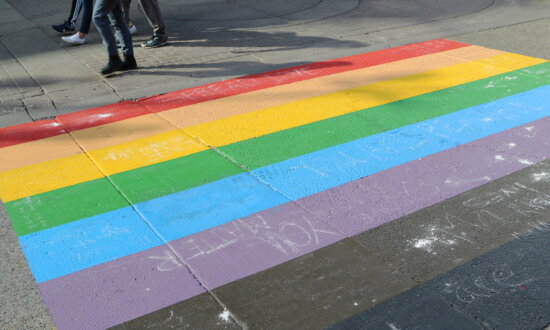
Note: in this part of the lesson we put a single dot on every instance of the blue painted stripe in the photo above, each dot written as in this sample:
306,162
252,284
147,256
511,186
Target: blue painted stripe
193,210
77,245
190,211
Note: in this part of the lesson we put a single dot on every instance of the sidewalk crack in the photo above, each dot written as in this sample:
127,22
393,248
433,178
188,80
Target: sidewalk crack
239,322
39,87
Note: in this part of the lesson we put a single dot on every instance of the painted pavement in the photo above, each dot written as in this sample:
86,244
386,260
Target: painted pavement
296,198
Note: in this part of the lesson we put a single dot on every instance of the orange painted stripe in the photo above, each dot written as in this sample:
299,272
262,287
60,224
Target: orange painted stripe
202,113
38,151
298,73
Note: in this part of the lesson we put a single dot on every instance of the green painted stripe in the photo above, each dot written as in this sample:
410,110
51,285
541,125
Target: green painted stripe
186,172
56,207
60,206
175,175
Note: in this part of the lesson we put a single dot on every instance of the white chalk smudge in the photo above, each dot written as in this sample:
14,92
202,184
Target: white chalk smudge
511,144
524,161
544,176
423,243
530,128
392,326
461,181
448,288
499,157
168,261
224,315
429,242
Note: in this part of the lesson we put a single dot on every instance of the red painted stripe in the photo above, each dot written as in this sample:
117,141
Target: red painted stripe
41,129
102,115
27,132
128,109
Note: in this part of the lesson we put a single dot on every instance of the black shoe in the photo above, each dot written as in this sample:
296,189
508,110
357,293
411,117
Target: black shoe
155,42
129,63
65,27
114,64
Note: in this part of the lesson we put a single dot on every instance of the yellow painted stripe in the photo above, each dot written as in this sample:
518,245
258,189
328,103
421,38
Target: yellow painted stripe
265,121
146,151
240,127
42,177
140,127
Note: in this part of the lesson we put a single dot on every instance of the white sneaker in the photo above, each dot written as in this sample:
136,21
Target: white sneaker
133,29
74,39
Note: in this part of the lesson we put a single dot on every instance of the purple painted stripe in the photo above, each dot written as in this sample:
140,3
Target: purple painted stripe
246,246
120,290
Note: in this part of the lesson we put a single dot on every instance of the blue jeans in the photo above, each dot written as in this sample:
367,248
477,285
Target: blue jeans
108,13
87,6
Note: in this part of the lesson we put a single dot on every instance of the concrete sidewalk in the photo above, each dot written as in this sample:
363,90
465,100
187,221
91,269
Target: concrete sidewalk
215,40
210,41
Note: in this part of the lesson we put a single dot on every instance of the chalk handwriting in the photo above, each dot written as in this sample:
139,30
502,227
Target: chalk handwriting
500,279
155,151
419,190
519,204
313,169
233,86
169,261
171,322
289,236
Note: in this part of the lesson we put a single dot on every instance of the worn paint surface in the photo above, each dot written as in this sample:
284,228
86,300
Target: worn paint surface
207,189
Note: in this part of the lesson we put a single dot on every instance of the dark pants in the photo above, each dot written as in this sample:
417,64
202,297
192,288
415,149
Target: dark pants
151,10
87,8
109,13
73,14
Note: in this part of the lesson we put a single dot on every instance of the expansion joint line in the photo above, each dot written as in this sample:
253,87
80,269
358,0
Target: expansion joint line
157,233
261,181
283,15
332,16
493,2
195,275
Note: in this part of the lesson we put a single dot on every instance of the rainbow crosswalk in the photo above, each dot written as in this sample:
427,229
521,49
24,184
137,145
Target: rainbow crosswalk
116,206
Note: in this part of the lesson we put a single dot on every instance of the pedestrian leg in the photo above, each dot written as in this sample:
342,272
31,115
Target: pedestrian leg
107,13
152,12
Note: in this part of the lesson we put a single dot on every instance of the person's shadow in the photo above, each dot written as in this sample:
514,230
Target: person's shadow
239,43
